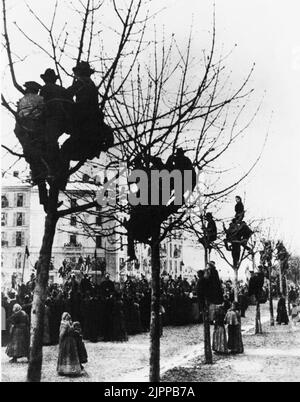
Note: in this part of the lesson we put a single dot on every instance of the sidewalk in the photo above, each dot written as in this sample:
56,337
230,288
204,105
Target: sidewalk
273,356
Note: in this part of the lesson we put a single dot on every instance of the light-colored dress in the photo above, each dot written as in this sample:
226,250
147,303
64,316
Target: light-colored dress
68,358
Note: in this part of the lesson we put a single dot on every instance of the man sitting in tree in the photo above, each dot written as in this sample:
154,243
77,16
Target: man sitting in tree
239,209
90,135
144,219
237,236
29,130
209,231
58,120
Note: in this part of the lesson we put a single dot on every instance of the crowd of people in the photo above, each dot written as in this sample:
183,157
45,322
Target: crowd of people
110,312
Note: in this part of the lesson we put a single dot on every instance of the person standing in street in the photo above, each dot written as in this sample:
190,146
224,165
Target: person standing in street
233,320
18,345
68,358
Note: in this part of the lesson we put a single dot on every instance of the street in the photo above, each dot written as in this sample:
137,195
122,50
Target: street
180,347
271,357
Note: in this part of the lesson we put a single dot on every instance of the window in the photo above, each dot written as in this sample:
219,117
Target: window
73,221
3,219
171,266
73,203
18,261
171,250
99,220
20,200
85,178
98,241
4,201
73,240
98,216
20,219
19,239
4,242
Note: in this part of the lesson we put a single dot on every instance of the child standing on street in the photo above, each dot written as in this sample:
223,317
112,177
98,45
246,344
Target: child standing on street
82,353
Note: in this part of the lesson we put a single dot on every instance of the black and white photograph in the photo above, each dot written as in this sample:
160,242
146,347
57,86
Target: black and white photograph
150,187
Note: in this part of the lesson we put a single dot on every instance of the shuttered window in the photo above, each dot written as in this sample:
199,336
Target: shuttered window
4,201
98,241
20,200
3,219
20,239
20,219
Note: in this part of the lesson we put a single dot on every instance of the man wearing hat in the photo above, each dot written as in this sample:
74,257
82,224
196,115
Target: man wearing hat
29,119
85,92
31,105
181,162
89,129
58,118
29,131
210,231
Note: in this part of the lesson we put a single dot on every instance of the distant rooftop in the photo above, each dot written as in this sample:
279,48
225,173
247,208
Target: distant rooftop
13,181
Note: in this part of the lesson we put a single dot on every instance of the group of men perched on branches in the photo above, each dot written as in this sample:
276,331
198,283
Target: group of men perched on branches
45,112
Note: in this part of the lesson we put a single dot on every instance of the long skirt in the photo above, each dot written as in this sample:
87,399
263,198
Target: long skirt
235,342
18,345
220,340
81,349
68,359
282,316
119,333
212,311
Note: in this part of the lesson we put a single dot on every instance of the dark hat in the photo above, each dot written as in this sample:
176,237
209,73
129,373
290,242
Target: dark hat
49,73
32,85
208,215
84,68
180,151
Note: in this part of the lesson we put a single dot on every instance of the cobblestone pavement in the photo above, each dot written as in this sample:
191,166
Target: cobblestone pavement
125,361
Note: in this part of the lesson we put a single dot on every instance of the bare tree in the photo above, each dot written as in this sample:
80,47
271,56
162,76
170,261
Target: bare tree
154,107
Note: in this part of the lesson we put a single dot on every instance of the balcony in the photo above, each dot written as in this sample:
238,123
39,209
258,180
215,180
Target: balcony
72,246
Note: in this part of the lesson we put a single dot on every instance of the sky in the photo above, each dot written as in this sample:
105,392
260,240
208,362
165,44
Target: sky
267,33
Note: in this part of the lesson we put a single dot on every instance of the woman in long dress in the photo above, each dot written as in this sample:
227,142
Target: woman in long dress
18,345
68,358
282,315
119,333
219,337
233,320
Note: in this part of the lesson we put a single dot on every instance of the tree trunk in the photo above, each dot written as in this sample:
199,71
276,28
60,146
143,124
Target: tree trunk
236,285
272,322
280,278
154,375
258,326
206,323
39,297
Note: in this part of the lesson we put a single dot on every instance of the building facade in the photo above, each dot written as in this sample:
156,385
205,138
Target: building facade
22,227
22,219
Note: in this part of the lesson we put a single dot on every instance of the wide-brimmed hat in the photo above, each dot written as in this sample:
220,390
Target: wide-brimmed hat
49,73
32,85
84,68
